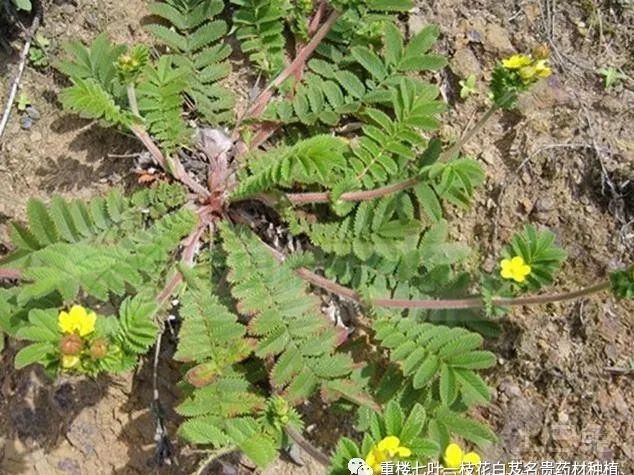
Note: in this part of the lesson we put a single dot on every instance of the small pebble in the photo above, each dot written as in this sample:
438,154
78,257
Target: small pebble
295,454
33,113
26,122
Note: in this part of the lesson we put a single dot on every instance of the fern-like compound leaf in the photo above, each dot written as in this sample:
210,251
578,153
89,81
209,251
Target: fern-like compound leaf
285,318
160,94
426,353
260,29
198,52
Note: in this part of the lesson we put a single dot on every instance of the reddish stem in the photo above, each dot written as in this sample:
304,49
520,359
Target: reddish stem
189,250
264,131
302,56
324,197
430,304
448,304
170,165
316,20
10,274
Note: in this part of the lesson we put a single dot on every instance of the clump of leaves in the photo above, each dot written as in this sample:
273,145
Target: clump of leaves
612,76
38,53
23,102
467,86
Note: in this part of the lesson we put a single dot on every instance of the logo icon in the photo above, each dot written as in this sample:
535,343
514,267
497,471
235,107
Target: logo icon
358,466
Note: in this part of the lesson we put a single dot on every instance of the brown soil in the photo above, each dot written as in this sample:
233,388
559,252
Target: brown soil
564,160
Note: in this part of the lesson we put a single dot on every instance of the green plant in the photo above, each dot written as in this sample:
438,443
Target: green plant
23,102
612,76
351,169
467,86
25,5
38,53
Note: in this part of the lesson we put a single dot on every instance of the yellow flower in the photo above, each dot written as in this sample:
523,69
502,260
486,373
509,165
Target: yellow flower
387,450
517,61
70,361
527,73
538,69
541,69
454,457
515,269
77,320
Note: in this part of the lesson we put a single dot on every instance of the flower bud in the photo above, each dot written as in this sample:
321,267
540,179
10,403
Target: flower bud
98,348
71,344
541,52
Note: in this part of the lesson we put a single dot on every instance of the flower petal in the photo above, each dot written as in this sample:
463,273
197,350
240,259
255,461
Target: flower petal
65,322
516,61
374,460
403,452
390,443
471,458
87,325
78,312
453,456
517,261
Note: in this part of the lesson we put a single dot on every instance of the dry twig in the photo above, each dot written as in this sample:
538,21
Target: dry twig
18,77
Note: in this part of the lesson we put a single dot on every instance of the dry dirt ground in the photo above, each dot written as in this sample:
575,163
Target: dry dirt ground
563,389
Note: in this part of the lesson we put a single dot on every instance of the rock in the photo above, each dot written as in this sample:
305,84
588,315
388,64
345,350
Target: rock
511,389
545,204
33,113
68,8
295,454
464,63
36,137
532,11
474,36
26,122
415,23
68,465
544,95
497,40
91,20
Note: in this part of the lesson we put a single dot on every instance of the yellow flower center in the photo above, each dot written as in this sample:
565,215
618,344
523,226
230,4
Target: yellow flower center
514,269
389,449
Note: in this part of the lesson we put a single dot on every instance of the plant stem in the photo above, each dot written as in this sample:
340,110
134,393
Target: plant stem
301,58
134,105
10,274
313,451
171,165
190,244
450,153
430,304
324,197
448,304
